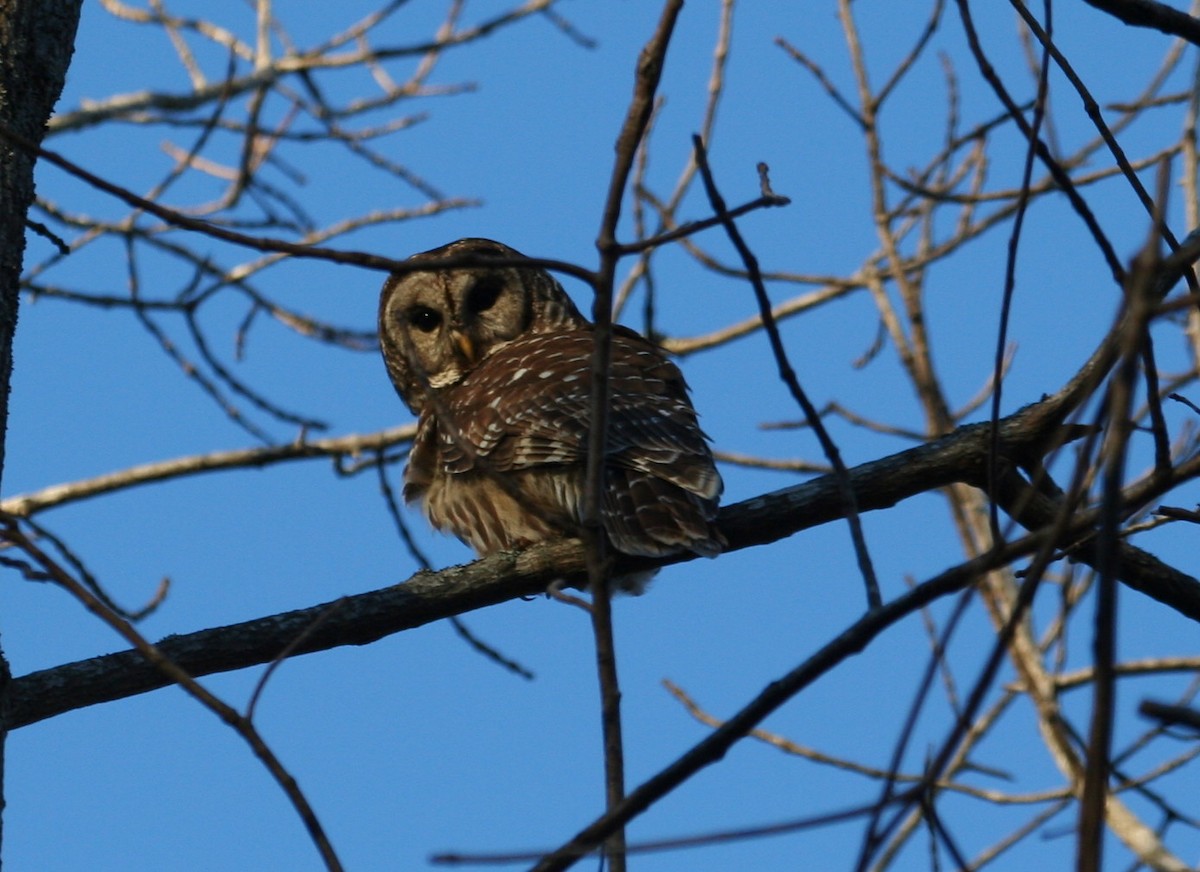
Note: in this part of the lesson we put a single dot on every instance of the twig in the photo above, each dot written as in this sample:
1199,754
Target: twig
788,375
1056,170
266,243
189,369
1148,13
1093,112
337,448
464,632
715,838
287,652
637,118
1139,300
787,746
930,779
243,726
1010,277
691,228
1170,714
48,234
88,580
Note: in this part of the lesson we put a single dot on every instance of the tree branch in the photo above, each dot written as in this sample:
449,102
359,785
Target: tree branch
25,505
1147,13
960,456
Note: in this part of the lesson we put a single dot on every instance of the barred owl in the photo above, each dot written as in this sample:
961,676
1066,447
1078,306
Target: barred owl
496,362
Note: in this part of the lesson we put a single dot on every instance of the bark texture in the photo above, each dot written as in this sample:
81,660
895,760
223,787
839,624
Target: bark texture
37,38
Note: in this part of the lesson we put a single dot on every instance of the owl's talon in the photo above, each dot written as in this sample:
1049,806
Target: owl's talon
555,591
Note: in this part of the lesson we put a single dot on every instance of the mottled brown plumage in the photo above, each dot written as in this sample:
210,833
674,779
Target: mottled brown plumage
496,362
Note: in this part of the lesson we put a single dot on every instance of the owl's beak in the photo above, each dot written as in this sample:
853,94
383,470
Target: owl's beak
464,345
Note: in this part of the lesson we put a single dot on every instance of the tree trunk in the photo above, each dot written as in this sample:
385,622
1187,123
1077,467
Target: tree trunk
36,41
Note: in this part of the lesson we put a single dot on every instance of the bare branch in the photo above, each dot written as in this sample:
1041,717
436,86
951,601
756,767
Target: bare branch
1148,13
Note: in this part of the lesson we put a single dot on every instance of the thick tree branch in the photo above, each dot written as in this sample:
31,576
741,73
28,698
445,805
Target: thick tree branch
960,456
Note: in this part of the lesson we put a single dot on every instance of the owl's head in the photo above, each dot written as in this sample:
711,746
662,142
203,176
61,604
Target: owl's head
436,325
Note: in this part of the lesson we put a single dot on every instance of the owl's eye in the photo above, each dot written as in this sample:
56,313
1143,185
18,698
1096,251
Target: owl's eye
424,319
484,293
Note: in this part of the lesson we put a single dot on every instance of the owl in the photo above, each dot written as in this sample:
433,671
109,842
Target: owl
496,362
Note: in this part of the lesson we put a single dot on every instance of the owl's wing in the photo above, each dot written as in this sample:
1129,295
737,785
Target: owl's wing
528,404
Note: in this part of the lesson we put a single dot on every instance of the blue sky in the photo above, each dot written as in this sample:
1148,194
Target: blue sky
416,744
